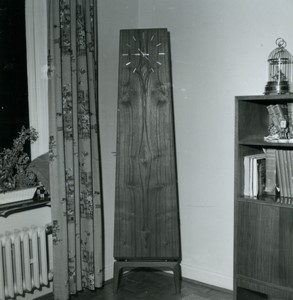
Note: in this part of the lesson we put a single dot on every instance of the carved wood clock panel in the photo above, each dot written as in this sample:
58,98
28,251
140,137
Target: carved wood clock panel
146,204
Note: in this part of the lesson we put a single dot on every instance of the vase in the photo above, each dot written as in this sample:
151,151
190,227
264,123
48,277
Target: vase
17,195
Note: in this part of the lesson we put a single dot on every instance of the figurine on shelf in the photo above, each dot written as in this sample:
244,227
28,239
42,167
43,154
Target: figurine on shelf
283,130
279,76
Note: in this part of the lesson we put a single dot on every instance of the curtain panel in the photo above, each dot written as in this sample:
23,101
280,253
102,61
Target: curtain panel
36,52
74,147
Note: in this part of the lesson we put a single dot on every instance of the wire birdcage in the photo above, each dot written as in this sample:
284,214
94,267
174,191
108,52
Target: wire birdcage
279,70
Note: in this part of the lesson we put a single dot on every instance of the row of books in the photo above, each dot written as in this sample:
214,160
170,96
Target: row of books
269,173
254,174
280,123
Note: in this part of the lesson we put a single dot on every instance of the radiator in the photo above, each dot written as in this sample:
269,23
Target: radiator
24,261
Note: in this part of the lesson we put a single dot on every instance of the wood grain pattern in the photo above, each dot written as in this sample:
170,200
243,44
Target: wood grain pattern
286,248
258,242
146,205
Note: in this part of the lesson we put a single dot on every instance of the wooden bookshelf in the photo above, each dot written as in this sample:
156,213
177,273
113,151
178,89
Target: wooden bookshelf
263,233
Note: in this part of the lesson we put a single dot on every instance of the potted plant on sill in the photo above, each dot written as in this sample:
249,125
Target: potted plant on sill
17,182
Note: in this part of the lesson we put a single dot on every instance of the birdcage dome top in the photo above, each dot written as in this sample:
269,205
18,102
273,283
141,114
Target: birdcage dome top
280,54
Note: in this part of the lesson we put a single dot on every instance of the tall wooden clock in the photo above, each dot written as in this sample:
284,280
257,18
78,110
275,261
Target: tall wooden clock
147,230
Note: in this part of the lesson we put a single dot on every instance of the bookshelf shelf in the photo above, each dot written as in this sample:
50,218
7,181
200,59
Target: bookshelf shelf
266,98
262,143
263,241
268,200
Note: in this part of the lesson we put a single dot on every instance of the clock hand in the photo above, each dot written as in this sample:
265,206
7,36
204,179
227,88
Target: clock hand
143,54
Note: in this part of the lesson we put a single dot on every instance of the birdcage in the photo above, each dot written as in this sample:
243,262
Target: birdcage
279,70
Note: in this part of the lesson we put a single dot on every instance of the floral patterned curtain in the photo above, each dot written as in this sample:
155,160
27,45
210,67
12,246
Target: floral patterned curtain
74,147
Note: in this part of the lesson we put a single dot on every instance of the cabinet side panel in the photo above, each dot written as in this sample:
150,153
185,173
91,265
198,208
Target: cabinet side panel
258,242
286,247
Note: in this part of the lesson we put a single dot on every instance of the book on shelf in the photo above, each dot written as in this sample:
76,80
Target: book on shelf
290,119
284,167
274,121
270,188
290,170
280,175
281,112
254,174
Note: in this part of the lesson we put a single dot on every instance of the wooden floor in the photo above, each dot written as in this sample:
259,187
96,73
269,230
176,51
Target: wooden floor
143,284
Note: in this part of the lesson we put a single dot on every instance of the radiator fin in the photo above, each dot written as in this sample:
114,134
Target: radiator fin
23,261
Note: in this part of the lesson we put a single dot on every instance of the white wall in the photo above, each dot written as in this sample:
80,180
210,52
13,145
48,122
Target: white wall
113,15
219,50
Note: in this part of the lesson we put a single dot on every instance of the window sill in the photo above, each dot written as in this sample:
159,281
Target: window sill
15,207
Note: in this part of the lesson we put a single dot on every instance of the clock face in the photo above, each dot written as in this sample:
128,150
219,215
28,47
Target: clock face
143,50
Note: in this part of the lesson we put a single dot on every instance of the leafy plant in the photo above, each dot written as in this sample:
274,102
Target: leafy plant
14,163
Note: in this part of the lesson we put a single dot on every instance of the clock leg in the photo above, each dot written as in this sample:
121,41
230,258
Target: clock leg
177,277
117,271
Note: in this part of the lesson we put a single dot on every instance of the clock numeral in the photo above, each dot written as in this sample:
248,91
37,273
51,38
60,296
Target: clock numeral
134,70
128,45
127,64
159,63
134,38
161,53
124,54
152,37
158,45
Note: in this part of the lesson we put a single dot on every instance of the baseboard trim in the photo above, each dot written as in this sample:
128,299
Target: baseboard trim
109,272
205,277
217,288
